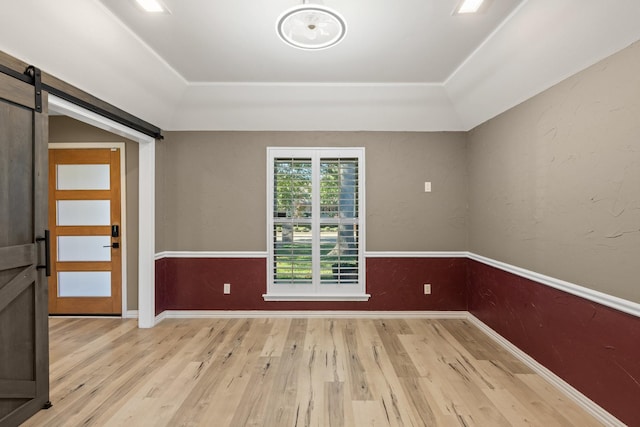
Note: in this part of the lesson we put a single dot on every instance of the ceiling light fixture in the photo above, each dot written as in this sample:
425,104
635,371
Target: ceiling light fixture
469,6
153,6
311,27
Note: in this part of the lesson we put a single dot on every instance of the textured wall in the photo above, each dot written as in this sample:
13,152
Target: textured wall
214,188
65,129
555,182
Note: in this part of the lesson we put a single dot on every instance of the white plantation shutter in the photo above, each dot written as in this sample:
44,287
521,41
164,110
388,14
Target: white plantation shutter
292,221
339,217
315,223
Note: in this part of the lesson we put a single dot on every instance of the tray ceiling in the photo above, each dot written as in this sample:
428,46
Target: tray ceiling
405,65
236,41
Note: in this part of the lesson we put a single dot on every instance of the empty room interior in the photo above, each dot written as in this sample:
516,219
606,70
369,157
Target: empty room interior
320,213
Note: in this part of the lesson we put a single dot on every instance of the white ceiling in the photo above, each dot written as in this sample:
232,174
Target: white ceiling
387,41
405,65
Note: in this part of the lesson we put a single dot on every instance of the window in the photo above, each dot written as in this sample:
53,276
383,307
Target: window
315,224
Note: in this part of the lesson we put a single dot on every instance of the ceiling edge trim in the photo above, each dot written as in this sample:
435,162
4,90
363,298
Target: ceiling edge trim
317,84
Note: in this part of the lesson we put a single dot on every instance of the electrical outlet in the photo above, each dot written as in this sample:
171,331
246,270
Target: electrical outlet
427,288
227,288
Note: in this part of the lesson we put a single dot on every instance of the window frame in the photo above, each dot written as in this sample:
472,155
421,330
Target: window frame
316,291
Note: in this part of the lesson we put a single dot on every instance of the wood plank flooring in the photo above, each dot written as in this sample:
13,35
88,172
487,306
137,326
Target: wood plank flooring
293,372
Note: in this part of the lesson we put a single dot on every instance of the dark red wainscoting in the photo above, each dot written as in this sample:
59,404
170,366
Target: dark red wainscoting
594,348
394,284
398,283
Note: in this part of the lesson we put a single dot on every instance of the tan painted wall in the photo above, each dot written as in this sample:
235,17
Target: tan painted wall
555,182
212,188
65,129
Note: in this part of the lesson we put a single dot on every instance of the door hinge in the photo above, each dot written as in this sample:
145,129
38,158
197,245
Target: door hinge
36,75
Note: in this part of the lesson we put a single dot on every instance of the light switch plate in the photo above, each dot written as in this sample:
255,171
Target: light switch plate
427,187
227,288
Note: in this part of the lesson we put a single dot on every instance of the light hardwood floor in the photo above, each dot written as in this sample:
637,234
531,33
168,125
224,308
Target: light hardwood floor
293,372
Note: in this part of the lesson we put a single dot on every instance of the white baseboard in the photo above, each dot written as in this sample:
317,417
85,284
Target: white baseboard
587,404
131,314
160,317
298,314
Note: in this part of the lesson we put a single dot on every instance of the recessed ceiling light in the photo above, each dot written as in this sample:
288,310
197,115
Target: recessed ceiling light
469,6
311,27
153,6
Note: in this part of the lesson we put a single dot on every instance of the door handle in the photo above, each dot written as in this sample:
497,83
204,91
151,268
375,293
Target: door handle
47,253
114,245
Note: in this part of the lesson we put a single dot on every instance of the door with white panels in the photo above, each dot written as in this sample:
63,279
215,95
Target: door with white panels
85,223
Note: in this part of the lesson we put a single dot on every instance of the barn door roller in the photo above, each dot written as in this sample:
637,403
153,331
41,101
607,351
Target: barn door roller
36,75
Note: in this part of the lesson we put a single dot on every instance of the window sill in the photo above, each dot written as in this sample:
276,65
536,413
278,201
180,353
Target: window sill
316,297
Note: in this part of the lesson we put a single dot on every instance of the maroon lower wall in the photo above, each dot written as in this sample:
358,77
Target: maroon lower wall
393,283
594,348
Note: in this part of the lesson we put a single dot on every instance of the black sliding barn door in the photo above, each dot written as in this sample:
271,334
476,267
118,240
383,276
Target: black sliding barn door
24,353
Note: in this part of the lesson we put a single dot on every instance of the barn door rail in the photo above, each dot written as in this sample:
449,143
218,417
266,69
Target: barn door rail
44,81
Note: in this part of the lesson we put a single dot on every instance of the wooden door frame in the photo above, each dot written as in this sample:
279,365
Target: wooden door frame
123,201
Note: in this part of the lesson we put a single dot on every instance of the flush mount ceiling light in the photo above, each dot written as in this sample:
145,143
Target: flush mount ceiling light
469,6
311,27
154,6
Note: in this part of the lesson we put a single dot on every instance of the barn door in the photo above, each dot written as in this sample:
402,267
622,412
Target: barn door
24,359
